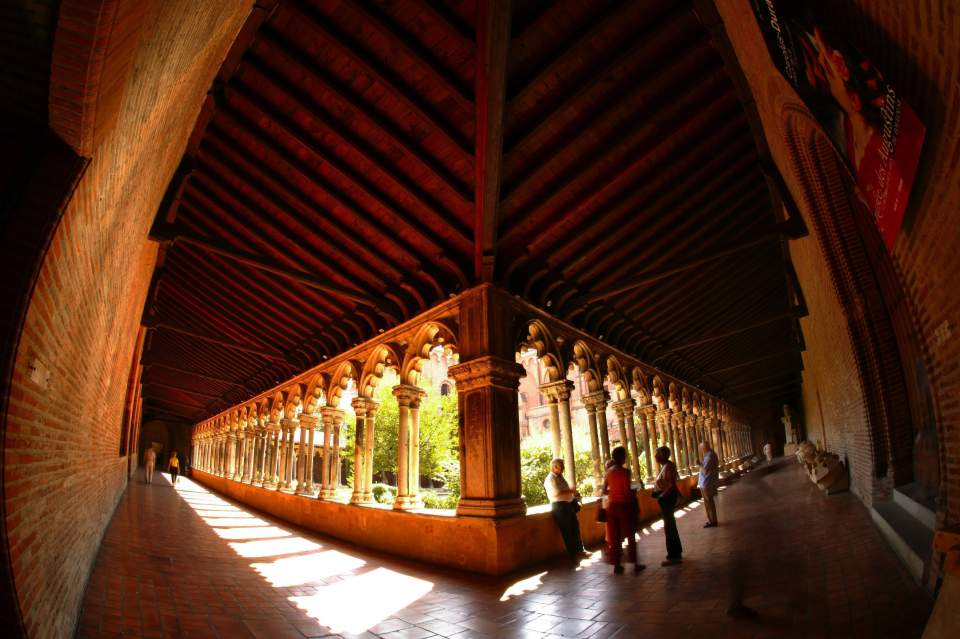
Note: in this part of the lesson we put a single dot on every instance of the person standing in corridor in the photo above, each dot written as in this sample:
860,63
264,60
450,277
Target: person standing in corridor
173,467
709,482
666,494
564,504
621,511
149,463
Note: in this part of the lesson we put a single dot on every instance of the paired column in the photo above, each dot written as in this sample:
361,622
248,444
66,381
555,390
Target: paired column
238,468
332,419
624,408
554,406
408,446
559,391
308,429
366,411
596,404
650,421
272,478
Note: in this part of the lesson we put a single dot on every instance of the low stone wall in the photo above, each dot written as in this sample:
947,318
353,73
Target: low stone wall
477,544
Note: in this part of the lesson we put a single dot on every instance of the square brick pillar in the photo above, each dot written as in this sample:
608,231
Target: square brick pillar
487,380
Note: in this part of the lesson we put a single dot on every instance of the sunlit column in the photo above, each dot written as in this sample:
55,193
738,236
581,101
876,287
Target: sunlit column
624,408
566,429
335,459
650,417
238,456
694,442
593,403
359,458
308,427
604,429
408,401
301,458
231,448
414,483
277,441
679,452
547,390
329,415
250,444
369,428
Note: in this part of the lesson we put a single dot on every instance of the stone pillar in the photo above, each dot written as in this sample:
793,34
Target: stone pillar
335,451
650,415
239,456
408,402
249,445
595,403
554,421
301,461
604,430
694,439
359,449
624,408
560,391
276,437
680,452
286,462
331,417
308,427
369,430
489,437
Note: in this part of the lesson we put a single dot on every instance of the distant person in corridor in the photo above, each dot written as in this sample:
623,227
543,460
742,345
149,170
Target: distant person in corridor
709,482
174,467
149,463
564,506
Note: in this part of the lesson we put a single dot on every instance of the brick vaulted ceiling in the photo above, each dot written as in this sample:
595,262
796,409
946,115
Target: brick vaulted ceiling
356,162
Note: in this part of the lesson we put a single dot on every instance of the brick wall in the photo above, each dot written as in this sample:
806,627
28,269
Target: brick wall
918,50
62,472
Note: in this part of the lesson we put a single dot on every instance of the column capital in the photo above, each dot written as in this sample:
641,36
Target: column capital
408,394
331,414
487,371
364,406
650,410
596,401
559,390
309,421
273,426
290,424
624,406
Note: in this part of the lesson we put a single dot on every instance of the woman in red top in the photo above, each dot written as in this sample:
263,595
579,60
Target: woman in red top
621,511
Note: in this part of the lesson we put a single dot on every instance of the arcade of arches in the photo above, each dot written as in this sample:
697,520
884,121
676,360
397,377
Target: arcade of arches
264,234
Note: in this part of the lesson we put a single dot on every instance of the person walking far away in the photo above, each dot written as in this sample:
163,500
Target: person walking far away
768,452
666,493
564,503
622,512
149,463
709,482
173,467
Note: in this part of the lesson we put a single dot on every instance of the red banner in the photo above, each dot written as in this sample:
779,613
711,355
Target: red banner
873,128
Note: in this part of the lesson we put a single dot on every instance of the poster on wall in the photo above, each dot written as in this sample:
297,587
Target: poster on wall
877,133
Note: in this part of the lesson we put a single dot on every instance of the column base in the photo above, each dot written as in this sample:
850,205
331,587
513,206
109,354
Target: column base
407,502
491,508
327,494
361,498
269,485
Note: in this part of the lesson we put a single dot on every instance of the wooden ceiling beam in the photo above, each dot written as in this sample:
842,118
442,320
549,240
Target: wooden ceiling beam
380,75
493,40
150,363
156,324
768,389
739,330
180,389
756,360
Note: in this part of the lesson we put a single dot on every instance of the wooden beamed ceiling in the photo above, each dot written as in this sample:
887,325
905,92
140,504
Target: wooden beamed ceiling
357,162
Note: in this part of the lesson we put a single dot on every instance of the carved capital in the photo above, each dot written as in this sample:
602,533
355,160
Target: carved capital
289,424
596,401
309,421
364,406
273,426
487,371
623,407
557,391
408,395
331,415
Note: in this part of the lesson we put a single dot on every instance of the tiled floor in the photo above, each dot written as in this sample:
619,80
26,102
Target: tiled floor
187,563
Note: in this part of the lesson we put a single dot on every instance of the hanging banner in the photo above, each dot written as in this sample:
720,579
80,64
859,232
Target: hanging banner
876,131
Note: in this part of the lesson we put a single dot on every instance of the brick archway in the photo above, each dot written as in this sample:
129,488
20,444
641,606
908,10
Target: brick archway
866,285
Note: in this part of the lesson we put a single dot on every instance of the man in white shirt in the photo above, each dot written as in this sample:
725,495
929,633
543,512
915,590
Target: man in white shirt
563,504
149,463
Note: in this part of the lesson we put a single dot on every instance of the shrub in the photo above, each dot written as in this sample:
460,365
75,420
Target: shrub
383,493
433,499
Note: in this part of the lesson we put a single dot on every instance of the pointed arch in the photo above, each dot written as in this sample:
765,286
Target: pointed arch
539,338
583,357
315,394
383,357
340,380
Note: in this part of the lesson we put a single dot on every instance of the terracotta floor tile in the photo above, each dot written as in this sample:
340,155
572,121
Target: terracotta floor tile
810,566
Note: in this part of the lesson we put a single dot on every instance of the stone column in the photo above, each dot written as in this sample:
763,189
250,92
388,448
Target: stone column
560,391
335,452
489,437
408,402
301,461
273,476
286,463
604,430
594,403
624,408
331,416
694,439
554,420
369,430
414,465
359,459
308,426
240,457
249,444
650,415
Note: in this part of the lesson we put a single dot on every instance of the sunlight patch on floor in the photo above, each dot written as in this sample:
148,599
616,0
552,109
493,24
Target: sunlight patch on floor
523,586
357,604
306,569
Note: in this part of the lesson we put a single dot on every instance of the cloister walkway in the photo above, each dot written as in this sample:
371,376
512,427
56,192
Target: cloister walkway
185,562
